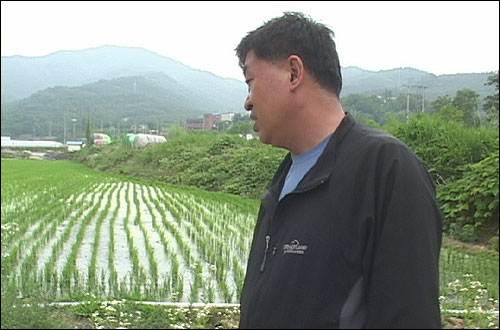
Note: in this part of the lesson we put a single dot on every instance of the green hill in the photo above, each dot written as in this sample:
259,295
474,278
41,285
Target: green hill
359,81
127,103
22,76
216,162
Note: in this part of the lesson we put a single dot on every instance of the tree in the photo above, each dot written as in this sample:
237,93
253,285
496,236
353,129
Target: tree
243,127
466,100
444,108
175,131
369,106
491,104
89,134
441,102
451,113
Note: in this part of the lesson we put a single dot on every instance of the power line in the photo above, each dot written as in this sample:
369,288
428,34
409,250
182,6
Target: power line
408,86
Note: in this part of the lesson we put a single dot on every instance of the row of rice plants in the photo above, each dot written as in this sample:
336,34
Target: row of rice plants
185,269
221,220
152,278
54,248
30,225
213,249
25,272
73,279
166,258
216,244
138,270
73,243
26,235
175,246
113,274
197,252
97,273
123,277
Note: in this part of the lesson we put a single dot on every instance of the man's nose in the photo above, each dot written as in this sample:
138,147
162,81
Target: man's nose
248,105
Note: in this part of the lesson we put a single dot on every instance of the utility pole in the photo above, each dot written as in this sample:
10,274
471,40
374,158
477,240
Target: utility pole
423,95
407,103
74,131
73,119
64,127
408,98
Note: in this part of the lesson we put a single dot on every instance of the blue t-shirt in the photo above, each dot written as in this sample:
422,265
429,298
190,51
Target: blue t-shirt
301,164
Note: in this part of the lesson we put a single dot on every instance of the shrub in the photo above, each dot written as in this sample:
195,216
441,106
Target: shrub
446,147
470,203
216,162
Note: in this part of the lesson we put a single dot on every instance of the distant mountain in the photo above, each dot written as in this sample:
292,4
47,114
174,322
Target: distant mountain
21,76
361,81
151,100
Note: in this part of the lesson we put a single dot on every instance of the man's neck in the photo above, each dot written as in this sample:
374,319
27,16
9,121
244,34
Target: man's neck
314,128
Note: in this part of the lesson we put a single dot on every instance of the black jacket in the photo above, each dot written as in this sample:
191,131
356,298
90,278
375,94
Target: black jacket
356,244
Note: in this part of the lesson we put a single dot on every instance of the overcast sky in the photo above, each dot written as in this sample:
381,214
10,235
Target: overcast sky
437,37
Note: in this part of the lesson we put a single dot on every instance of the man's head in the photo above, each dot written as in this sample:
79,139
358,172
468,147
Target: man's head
293,75
295,34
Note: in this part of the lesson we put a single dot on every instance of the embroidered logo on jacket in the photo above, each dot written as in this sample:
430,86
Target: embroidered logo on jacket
294,248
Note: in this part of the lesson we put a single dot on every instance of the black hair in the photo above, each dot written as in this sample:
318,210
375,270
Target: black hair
295,34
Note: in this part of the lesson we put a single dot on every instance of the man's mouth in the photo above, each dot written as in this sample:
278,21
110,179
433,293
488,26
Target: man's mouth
256,126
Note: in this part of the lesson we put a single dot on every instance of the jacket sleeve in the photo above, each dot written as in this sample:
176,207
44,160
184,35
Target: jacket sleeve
402,284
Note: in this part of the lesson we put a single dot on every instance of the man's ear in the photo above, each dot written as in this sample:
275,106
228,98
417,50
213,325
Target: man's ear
296,67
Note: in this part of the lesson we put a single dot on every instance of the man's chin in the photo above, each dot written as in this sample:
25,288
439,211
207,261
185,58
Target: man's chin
263,139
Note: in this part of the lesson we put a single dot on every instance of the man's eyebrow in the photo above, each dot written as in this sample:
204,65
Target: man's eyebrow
245,69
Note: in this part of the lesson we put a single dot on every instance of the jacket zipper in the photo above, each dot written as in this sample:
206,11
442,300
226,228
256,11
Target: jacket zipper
268,238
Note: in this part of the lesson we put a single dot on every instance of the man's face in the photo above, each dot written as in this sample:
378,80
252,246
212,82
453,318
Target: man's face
267,90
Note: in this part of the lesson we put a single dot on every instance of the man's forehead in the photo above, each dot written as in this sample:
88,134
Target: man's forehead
249,59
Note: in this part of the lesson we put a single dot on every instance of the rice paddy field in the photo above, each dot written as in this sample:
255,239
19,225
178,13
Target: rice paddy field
70,233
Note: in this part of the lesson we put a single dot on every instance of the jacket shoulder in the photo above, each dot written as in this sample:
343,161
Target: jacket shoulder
370,140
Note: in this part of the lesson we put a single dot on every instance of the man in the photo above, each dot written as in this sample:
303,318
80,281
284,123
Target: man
349,233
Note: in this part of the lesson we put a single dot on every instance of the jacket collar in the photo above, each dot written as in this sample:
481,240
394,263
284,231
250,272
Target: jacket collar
323,168
325,165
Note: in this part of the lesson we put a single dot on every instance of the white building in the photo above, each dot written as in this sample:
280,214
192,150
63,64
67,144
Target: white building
227,116
22,143
74,145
